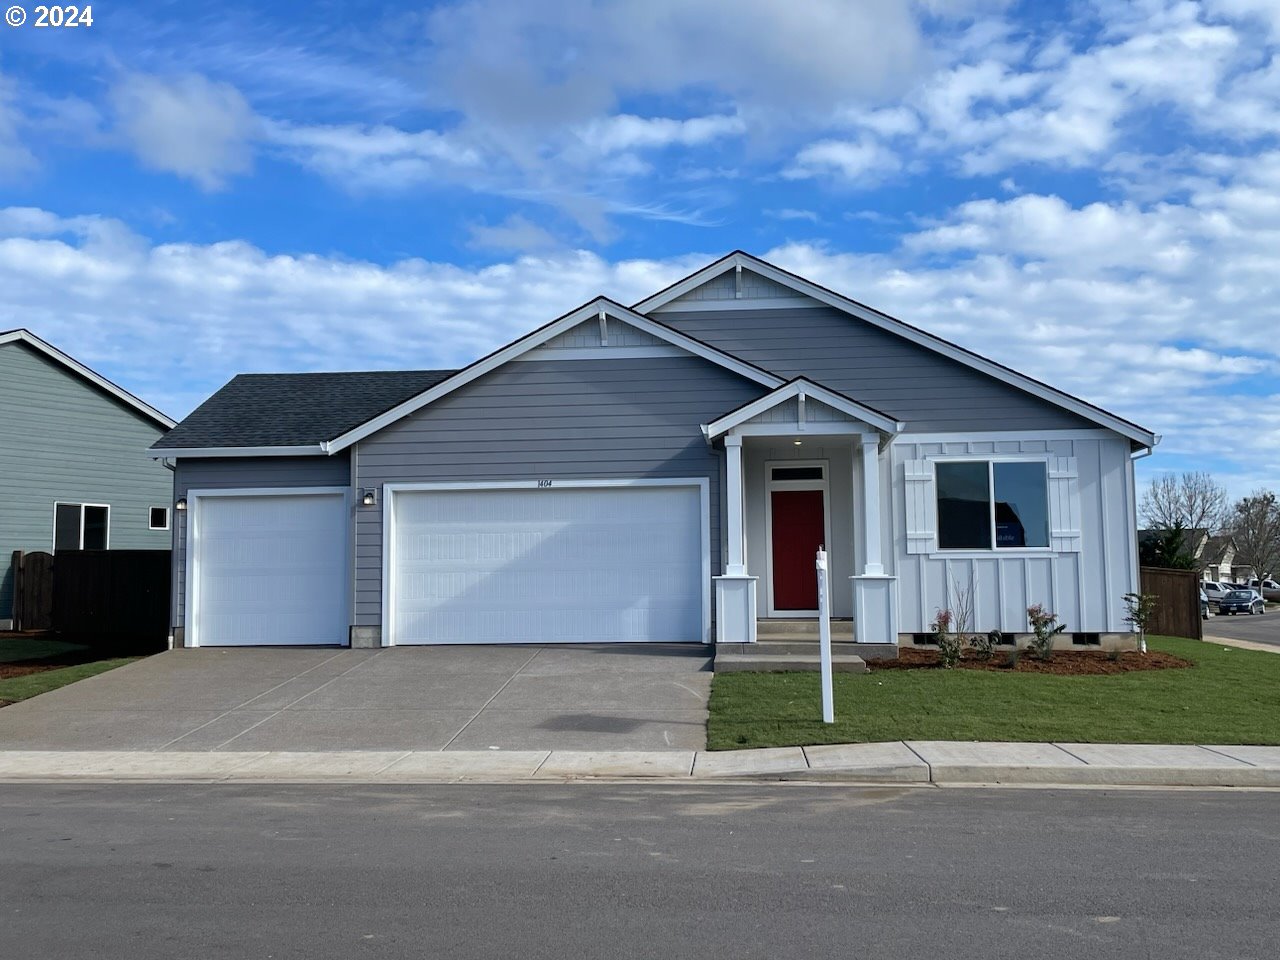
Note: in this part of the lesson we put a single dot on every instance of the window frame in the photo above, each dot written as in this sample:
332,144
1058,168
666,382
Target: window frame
168,515
994,549
53,540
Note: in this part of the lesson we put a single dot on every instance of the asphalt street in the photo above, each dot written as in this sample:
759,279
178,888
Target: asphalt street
1264,628
144,871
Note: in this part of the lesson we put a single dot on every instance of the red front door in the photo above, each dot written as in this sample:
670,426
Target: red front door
799,529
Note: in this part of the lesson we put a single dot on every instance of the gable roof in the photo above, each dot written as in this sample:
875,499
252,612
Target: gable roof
600,306
802,387
739,260
79,369
291,413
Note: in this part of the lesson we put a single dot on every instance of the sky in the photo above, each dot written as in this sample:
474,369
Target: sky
1086,191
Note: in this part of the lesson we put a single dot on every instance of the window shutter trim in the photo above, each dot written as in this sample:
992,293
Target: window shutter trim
922,507
1064,505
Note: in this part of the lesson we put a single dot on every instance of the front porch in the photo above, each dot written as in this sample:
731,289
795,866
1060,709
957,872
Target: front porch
804,470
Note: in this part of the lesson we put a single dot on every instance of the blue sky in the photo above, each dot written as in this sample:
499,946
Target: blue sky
1088,191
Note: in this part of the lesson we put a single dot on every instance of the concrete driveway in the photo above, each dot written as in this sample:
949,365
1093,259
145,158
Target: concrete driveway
606,697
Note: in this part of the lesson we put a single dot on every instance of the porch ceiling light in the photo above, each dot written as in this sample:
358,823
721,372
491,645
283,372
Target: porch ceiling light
797,442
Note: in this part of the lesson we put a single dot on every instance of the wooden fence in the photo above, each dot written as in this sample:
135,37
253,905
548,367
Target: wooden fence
107,596
1178,606
32,591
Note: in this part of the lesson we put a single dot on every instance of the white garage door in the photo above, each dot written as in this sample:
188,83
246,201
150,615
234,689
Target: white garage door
269,570
559,565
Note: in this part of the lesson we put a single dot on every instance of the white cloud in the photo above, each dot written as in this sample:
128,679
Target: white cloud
514,233
15,158
378,156
628,132
862,163
186,125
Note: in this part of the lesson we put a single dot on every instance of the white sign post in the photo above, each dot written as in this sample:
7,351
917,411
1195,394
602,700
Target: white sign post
824,639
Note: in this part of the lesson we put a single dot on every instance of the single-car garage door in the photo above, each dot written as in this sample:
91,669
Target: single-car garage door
268,569
558,564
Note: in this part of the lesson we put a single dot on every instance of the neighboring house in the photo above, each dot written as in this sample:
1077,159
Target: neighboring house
74,468
664,472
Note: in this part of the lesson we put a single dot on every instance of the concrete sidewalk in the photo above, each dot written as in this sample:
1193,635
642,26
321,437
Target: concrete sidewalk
909,762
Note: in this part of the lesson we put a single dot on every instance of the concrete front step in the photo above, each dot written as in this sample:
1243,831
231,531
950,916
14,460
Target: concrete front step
801,629
783,663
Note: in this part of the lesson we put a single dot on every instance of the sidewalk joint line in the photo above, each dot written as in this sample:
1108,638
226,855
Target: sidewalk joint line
1070,754
927,764
540,765
485,706
1227,755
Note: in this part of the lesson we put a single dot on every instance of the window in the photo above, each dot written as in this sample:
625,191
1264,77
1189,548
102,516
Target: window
1000,504
159,518
797,473
81,526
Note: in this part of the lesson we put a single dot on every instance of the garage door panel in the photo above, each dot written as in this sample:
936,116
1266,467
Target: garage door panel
270,570
550,566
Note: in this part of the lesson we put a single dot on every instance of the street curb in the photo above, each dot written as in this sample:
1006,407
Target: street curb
896,763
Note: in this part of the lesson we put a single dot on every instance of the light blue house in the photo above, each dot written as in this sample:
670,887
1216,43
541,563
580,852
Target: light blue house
74,471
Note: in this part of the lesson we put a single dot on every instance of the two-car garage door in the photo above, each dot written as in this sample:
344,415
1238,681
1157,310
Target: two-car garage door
556,564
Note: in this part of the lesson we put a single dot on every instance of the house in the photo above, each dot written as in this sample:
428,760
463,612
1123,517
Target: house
660,472
74,469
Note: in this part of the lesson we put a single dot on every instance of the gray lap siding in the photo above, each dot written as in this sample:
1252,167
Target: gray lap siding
247,472
586,419
929,391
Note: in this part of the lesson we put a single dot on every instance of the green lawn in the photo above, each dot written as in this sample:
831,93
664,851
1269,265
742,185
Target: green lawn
19,649
1230,696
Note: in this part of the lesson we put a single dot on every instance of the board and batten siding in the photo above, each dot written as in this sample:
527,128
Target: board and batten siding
552,419
63,439
929,392
247,473
1084,588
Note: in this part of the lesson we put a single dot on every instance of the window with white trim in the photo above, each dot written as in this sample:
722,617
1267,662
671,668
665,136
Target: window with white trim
81,526
158,518
992,504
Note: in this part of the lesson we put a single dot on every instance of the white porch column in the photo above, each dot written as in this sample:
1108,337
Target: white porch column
735,590
875,594
871,561
735,565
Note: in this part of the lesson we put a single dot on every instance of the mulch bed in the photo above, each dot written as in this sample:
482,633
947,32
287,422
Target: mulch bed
1066,663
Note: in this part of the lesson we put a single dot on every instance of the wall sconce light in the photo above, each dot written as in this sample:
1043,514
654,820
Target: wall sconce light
181,504
369,497
797,442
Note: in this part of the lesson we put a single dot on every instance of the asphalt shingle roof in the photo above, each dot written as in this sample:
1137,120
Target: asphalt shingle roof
295,409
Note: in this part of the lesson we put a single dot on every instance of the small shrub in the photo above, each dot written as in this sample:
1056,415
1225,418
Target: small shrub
1044,627
950,645
1011,659
1115,655
984,644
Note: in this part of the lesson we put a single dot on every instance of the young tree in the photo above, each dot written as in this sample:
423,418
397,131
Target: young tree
1255,528
1193,500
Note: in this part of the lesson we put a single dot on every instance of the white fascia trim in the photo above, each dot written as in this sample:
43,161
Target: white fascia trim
998,435
53,353
806,388
536,338
887,323
312,450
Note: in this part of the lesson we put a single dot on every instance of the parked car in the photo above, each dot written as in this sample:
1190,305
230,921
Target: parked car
1204,606
1241,601
1215,591
1269,589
